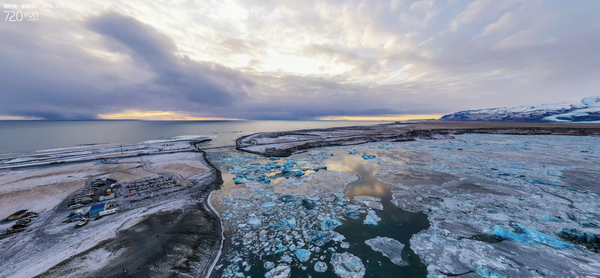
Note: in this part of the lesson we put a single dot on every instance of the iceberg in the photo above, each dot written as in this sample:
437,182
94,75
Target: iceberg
330,224
303,255
369,201
308,204
372,218
365,157
268,265
281,271
320,266
529,236
389,247
352,214
268,204
578,236
347,265
254,222
321,238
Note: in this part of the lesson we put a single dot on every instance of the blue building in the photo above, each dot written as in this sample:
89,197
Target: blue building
96,209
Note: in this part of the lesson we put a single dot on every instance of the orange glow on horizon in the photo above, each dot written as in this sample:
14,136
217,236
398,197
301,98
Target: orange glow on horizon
383,117
19,118
159,116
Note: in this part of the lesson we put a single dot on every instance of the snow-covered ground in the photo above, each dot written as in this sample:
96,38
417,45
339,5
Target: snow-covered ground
48,241
587,111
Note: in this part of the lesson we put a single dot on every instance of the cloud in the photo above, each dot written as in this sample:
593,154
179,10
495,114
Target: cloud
296,60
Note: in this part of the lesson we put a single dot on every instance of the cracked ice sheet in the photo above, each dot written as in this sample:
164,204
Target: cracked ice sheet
478,181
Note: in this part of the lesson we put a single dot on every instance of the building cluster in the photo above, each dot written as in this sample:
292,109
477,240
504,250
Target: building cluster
100,191
147,188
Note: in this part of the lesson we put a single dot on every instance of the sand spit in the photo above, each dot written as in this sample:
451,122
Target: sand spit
286,143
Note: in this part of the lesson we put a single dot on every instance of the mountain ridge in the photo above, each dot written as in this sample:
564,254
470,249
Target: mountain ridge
586,111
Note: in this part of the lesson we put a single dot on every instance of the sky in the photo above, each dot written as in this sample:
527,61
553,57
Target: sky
292,60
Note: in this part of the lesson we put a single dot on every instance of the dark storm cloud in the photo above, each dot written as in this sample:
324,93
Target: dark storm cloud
42,78
179,77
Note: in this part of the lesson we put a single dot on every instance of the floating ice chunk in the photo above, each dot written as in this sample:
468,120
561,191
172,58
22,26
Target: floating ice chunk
339,195
389,247
529,236
321,238
331,154
254,222
298,173
286,259
365,157
285,169
372,218
288,198
238,180
547,218
369,201
303,255
316,169
308,204
330,224
352,214
345,245
269,265
487,273
248,238
347,265
543,182
320,266
292,223
281,271
268,204
577,236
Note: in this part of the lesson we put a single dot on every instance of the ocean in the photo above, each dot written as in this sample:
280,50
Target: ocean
29,136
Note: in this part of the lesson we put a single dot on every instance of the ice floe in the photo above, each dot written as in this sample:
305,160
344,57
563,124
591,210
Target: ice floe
347,265
389,247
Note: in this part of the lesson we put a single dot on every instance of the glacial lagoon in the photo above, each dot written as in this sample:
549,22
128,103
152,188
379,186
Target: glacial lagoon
473,205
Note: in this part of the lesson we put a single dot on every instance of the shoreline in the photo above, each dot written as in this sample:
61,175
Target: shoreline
286,143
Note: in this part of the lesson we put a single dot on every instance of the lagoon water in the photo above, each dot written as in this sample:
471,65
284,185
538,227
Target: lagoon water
29,136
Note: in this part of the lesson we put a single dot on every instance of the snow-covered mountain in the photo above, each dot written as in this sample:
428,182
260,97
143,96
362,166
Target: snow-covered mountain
588,111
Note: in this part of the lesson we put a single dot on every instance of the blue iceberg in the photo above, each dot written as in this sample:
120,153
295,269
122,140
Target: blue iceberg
303,255
330,224
529,236
372,218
